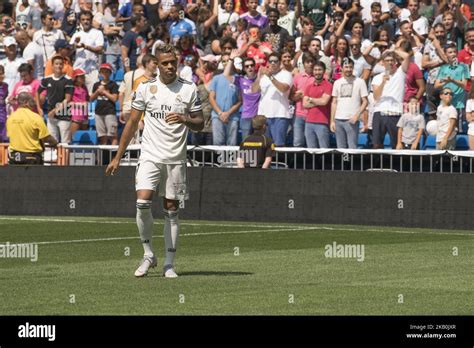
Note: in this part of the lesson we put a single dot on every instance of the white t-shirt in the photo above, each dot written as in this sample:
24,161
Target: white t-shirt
127,85
288,22
470,108
410,124
85,59
33,52
391,100
360,64
421,26
273,103
349,94
12,76
444,114
162,142
46,41
365,4
229,18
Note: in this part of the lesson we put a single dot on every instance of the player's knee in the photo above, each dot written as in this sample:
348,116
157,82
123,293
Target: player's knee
143,204
170,214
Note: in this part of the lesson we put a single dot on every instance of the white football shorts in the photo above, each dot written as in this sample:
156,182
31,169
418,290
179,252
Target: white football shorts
170,179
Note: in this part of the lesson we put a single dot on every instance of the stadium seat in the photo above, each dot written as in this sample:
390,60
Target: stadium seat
430,143
362,141
85,138
118,76
332,141
92,109
91,123
462,142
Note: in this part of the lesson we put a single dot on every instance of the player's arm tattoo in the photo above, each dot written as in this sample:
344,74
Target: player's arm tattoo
195,121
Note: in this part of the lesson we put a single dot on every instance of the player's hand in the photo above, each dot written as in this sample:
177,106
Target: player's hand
173,118
333,127
112,167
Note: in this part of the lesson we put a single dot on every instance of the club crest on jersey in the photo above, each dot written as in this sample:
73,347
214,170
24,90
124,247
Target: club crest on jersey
178,99
153,89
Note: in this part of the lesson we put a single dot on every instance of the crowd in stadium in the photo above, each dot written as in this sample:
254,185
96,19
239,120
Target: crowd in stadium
317,69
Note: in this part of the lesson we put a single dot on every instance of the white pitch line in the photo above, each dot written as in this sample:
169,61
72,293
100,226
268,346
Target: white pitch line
242,225
133,222
159,236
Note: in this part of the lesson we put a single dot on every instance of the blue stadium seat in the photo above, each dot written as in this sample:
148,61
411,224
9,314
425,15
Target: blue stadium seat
92,105
85,138
430,142
362,141
91,123
118,76
462,142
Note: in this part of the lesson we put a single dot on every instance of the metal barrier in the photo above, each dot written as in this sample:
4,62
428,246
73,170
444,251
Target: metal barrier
420,161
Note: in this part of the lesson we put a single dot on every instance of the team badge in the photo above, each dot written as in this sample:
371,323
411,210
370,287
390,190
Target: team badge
153,89
178,99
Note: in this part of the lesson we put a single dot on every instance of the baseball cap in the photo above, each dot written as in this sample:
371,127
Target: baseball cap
106,66
61,44
78,72
8,41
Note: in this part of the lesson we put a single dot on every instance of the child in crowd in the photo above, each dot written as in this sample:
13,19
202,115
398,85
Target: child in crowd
106,93
447,117
79,102
470,117
3,105
410,126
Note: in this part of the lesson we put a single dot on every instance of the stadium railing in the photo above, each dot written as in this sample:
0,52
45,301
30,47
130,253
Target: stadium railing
419,161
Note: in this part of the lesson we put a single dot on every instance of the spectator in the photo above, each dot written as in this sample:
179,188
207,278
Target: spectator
410,126
3,105
27,84
132,43
414,82
316,11
59,89
89,45
63,49
371,28
273,33
470,118
47,36
361,67
227,14
69,21
11,63
205,20
253,17
28,133
113,32
79,105
349,101
106,92
126,90
465,55
300,82
388,88
341,51
288,18
433,58
179,26
259,146
32,53
454,76
225,99
256,48
274,84
447,119
420,24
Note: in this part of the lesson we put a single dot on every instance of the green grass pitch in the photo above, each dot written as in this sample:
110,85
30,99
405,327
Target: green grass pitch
277,269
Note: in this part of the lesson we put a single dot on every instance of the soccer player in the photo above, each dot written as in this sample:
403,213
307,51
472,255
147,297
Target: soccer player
171,105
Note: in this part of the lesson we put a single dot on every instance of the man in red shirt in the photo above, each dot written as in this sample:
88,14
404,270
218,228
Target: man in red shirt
415,85
317,99
465,55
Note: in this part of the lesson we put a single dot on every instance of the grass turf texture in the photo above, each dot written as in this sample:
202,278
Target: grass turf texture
274,262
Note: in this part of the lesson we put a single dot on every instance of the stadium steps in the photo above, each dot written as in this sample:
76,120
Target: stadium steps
85,137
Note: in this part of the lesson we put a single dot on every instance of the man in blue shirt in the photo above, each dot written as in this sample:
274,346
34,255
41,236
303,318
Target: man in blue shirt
225,99
179,26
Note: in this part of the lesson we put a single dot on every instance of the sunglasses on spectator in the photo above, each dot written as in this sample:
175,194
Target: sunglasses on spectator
273,61
447,93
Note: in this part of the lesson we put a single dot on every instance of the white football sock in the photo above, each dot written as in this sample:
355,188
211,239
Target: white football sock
145,225
171,232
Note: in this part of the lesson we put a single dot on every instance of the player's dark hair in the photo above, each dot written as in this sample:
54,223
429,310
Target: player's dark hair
164,49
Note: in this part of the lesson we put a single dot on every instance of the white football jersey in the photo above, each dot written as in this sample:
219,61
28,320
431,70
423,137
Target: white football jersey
162,142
